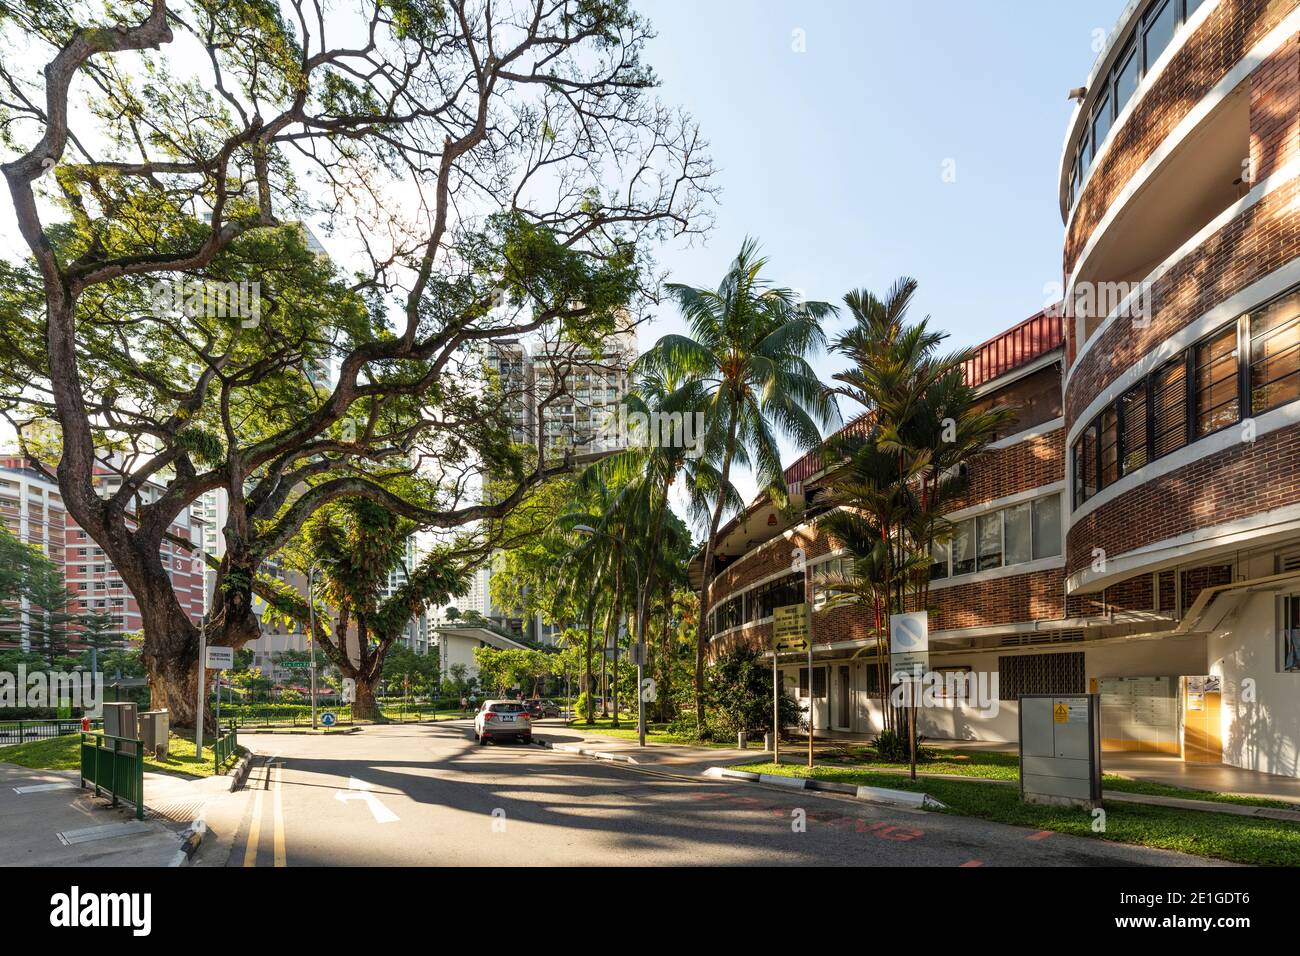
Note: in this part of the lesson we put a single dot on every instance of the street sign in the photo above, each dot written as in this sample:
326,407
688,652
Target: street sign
328,719
636,654
909,642
790,627
303,665
220,658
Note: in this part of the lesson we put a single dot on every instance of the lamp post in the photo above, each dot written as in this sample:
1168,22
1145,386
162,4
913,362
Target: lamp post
311,636
640,634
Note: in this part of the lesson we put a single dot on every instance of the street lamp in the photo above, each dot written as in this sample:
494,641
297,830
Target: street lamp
311,636
640,626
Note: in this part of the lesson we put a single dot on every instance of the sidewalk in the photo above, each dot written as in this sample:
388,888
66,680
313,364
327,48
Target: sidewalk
46,819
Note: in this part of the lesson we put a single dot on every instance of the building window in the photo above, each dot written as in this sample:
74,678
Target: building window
1126,78
1275,355
963,547
1134,431
1020,674
1012,535
1290,635
1047,526
1157,30
1101,118
1216,381
1085,465
1108,448
1017,533
1195,394
1169,396
938,560
989,531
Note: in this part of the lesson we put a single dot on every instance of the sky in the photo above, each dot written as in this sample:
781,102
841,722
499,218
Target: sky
835,157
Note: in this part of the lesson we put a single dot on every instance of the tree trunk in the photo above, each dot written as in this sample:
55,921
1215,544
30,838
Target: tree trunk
702,628
364,704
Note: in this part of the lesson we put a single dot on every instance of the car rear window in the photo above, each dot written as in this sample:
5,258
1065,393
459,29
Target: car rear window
507,708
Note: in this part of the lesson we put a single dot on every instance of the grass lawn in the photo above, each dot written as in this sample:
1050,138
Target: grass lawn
995,765
998,765
397,716
654,733
64,753
1235,838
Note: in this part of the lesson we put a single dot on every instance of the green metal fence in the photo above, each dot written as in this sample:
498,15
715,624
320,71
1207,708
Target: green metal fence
226,746
282,715
115,765
22,731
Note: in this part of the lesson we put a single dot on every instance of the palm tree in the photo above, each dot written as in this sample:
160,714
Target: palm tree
747,350
897,472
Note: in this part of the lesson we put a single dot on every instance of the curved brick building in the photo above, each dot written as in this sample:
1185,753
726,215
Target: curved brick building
1137,533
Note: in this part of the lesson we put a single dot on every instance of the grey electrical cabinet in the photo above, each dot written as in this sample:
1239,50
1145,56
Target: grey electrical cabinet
1060,749
120,720
154,732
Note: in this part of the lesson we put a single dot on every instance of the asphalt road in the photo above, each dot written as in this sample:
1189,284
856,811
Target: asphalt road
429,795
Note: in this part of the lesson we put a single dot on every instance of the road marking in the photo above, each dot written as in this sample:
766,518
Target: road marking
255,826
360,790
278,812
1040,835
107,831
970,863
44,787
254,830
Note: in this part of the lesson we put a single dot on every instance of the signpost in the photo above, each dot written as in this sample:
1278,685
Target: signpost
909,646
220,659
791,628
328,719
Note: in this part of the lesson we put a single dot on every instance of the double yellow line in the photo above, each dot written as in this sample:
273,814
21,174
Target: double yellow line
274,781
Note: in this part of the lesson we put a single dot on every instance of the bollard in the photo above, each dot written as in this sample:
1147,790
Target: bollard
767,742
742,740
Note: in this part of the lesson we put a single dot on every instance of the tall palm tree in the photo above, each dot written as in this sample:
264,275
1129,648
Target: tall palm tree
897,473
747,348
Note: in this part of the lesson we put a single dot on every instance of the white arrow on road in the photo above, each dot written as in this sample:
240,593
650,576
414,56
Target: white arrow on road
360,790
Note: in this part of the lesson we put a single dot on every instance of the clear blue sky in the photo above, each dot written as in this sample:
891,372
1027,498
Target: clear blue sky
834,157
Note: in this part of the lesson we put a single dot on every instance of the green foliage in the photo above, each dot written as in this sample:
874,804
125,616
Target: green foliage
740,694
500,671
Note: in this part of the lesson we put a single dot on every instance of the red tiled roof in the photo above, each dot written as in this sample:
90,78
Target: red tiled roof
1005,352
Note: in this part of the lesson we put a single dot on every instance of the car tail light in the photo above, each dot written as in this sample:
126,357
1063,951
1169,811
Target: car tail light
488,715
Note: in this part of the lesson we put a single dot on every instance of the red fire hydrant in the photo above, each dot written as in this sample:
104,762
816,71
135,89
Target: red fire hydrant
85,724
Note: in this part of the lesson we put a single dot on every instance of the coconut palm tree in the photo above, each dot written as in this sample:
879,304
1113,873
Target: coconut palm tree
747,349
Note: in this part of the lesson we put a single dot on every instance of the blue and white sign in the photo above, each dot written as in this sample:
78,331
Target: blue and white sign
909,642
328,719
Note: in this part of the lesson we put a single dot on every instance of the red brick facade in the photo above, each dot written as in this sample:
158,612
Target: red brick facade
1230,32
1247,478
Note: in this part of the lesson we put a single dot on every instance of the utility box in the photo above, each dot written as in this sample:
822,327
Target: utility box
120,720
1060,749
154,729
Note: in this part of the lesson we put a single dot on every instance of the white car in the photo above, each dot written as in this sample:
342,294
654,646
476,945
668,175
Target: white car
503,718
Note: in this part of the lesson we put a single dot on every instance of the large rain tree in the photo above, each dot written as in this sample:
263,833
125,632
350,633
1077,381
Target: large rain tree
485,170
